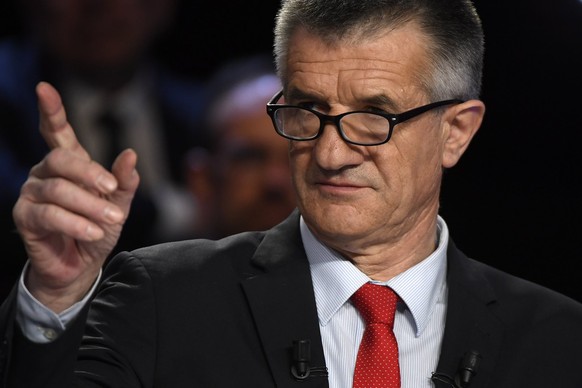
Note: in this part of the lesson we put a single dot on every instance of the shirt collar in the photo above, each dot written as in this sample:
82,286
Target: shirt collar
336,279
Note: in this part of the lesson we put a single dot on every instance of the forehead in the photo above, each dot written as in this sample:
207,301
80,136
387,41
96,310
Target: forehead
391,63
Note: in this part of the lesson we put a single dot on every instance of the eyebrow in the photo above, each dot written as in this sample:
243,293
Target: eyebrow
297,94
379,100
382,100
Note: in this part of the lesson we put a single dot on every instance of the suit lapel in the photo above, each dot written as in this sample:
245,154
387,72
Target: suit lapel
283,304
470,324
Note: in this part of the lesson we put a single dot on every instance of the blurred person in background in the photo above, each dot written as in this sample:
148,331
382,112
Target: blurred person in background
241,180
100,56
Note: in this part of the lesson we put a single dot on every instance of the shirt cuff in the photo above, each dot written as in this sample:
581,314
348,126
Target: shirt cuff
40,324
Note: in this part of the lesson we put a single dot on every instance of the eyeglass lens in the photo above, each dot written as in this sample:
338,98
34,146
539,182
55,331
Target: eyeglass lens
359,127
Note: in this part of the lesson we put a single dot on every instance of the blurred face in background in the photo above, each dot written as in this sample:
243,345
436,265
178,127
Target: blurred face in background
247,181
91,35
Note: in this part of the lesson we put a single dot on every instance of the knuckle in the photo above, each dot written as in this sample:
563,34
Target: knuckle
50,217
51,188
18,211
47,212
27,188
52,162
55,156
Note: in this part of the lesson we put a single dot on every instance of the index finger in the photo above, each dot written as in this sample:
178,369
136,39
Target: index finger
54,127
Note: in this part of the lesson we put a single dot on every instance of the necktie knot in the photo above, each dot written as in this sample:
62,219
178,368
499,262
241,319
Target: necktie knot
376,304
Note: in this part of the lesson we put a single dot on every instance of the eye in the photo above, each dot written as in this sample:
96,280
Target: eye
307,104
312,105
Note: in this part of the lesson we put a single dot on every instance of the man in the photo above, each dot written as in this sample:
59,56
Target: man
240,180
279,308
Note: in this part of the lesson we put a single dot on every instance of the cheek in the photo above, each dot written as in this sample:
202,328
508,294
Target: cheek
299,159
411,164
427,170
426,142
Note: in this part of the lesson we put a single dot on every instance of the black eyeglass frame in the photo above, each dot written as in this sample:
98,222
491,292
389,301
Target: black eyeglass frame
393,118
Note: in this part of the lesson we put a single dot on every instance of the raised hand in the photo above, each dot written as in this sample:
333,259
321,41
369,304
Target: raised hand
71,210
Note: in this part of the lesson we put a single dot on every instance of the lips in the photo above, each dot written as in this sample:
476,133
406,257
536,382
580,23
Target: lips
338,184
338,187
344,181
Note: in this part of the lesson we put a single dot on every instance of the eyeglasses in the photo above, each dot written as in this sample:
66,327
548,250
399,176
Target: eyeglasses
357,127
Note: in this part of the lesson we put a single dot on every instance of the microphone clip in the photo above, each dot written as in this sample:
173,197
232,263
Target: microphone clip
301,368
468,368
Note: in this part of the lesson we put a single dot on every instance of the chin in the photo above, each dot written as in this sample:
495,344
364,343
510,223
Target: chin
333,220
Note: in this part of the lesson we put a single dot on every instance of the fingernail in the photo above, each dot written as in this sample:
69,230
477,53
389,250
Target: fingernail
106,184
94,233
113,215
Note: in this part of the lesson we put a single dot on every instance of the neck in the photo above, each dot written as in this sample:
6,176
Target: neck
406,248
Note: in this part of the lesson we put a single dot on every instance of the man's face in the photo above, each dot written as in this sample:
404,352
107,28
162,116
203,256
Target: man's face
355,197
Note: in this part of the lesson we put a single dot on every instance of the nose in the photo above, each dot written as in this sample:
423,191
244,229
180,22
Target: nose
331,152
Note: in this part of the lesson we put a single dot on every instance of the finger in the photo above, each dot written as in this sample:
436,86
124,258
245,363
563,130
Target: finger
54,126
124,170
71,166
41,220
72,198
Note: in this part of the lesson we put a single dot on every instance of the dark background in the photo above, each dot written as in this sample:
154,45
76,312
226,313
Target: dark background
514,201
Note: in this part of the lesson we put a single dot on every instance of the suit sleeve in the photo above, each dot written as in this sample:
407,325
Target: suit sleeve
28,364
119,344
111,343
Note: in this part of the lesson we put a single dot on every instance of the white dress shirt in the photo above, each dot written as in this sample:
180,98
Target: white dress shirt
420,317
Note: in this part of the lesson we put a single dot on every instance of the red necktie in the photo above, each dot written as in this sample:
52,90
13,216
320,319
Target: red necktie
377,361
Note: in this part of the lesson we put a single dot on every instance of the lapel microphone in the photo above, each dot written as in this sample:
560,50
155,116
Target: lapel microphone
467,369
301,368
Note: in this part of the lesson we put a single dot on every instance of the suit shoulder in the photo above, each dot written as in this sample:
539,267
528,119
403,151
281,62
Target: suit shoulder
238,246
197,255
519,294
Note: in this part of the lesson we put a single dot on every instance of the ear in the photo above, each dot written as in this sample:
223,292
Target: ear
462,121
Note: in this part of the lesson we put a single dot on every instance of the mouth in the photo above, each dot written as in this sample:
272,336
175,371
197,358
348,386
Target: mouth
339,187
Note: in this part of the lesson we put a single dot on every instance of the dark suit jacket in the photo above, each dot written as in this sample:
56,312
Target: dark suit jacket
224,314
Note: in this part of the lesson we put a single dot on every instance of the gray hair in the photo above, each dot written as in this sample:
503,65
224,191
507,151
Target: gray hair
452,26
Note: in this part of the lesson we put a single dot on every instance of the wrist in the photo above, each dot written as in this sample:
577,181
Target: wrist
58,296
